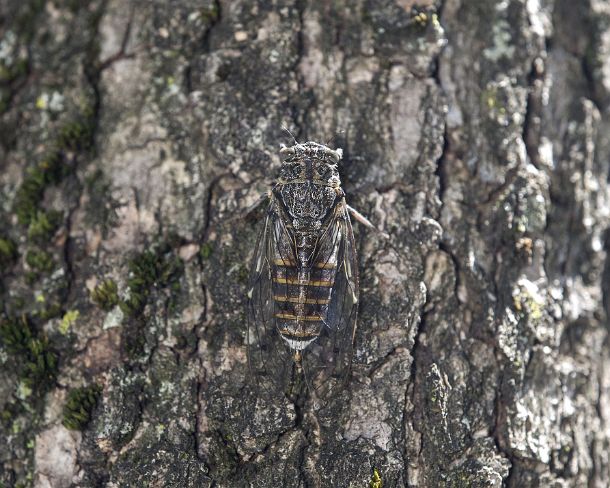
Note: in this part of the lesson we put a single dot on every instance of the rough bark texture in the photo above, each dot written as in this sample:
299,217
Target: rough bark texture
132,135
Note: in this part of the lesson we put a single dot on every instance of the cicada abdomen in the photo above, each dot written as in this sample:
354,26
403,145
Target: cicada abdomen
303,293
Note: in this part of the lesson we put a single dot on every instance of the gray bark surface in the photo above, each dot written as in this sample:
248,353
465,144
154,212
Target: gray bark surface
133,135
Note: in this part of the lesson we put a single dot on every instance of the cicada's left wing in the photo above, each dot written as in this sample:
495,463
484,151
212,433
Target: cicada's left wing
270,362
327,361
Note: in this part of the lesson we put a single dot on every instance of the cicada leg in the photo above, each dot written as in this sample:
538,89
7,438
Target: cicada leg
366,222
245,213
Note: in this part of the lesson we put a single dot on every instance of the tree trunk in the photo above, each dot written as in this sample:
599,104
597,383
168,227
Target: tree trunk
134,134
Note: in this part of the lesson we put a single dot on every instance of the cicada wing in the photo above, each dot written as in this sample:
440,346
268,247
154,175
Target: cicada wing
269,359
327,361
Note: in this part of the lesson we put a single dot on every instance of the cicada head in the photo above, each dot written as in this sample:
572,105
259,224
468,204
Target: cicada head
310,161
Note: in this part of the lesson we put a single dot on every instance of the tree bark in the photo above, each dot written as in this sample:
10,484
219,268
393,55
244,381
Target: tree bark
134,134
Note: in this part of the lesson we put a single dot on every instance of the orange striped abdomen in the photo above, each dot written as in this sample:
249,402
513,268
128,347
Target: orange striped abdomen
301,296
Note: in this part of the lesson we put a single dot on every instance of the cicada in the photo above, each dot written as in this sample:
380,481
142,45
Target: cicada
303,288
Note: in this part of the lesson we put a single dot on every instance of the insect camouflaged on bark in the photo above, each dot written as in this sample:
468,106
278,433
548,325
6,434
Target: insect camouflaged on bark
303,291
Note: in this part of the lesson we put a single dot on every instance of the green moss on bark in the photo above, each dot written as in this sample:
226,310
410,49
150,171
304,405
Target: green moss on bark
79,406
39,260
8,251
105,295
206,250
74,136
147,271
43,225
31,350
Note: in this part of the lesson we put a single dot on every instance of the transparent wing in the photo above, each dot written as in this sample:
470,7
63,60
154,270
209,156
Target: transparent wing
327,361
270,361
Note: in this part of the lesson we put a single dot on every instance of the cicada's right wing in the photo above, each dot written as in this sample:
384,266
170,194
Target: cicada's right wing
328,361
270,361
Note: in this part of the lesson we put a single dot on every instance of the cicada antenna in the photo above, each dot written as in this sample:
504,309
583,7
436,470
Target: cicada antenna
333,137
291,135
